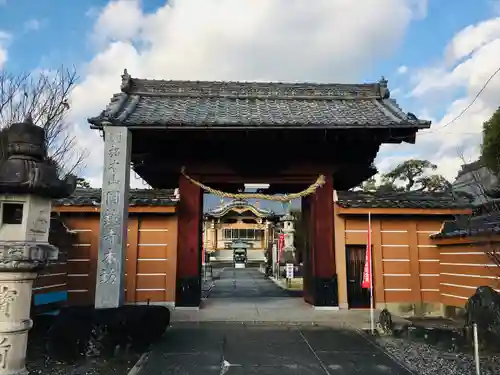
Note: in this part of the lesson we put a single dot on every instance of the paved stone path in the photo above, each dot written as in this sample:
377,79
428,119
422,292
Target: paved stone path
246,295
249,325
218,348
247,283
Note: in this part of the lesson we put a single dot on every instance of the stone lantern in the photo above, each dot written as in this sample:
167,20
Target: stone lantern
28,183
288,231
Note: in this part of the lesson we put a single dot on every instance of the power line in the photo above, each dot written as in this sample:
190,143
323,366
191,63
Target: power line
473,100
486,83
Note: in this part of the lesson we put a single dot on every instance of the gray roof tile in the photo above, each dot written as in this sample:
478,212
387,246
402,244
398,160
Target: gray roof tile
138,197
413,199
199,103
467,225
348,199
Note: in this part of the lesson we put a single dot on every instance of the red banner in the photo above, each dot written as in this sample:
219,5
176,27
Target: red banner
281,245
366,283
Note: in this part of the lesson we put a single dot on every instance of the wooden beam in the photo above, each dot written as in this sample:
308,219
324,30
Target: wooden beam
132,209
403,211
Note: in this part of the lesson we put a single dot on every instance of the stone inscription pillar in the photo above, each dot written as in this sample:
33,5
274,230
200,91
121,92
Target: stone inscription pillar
110,283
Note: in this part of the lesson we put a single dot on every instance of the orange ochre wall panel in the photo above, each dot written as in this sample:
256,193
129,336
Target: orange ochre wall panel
405,261
82,258
150,259
463,268
155,256
51,279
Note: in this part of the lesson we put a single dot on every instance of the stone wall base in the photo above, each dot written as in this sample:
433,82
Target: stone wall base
407,309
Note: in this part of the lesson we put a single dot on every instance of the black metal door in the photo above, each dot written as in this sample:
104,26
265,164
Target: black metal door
357,297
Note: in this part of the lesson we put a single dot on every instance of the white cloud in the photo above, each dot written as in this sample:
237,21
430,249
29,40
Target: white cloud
119,20
402,69
3,56
92,12
32,25
4,41
285,40
468,61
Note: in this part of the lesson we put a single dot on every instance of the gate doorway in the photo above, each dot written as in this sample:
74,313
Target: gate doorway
357,297
225,134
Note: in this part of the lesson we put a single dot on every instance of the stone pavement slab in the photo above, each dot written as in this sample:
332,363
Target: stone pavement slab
247,283
216,348
246,295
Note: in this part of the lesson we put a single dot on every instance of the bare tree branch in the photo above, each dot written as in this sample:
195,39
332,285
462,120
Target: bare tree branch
44,97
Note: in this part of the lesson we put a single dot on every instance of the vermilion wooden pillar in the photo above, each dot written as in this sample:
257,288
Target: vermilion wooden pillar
323,288
307,250
189,244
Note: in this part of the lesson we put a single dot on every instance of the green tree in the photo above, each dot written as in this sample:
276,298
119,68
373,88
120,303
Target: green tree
82,183
411,175
490,148
369,185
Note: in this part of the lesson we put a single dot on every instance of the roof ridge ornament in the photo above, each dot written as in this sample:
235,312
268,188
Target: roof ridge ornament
29,119
384,90
126,81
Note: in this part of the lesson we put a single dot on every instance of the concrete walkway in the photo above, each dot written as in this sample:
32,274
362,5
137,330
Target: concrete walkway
246,295
247,283
212,348
249,325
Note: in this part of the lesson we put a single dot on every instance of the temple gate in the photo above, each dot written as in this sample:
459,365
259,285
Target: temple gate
225,134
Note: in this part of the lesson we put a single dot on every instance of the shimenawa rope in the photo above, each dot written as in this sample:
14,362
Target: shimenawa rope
320,181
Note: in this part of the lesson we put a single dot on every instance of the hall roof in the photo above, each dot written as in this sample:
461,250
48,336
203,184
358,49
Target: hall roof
202,104
239,205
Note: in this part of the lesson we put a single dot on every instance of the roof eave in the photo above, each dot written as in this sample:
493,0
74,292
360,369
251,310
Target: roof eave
464,234
246,127
99,122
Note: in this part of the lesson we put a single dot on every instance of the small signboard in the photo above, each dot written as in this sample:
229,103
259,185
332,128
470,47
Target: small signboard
289,271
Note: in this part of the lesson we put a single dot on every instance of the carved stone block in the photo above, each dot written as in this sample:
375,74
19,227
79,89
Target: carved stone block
25,256
110,283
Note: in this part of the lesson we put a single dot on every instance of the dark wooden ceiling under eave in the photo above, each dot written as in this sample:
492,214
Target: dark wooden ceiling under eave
279,157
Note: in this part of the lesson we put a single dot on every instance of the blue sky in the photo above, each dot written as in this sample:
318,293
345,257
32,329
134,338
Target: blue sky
50,33
63,28
152,39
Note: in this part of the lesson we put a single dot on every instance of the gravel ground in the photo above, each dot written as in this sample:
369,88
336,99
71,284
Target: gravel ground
90,366
424,359
38,362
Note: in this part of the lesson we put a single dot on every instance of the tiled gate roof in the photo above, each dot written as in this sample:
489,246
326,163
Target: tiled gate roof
254,104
